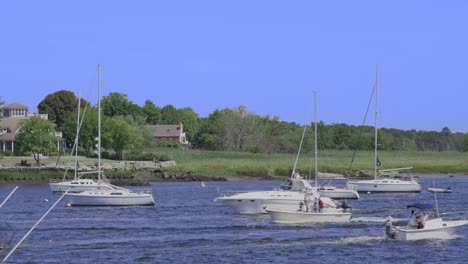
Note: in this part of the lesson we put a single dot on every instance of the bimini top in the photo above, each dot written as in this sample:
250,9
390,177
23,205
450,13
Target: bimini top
421,206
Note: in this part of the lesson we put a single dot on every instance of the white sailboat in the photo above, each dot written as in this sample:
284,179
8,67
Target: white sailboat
109,195
77,184
380,184
329,191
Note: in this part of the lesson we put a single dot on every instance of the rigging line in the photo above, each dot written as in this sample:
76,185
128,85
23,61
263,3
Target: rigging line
362,127
8,197
299,151
33,227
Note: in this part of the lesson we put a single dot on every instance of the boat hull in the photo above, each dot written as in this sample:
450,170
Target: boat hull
256,202
389,185
438,229
340,194
108,199
291,217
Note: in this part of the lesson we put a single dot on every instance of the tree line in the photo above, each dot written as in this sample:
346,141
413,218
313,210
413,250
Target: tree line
237,129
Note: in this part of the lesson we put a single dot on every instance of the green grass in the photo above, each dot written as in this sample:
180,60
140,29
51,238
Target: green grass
217,163
226,164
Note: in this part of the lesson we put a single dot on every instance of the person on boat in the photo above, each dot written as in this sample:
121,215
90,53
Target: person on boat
419,222
390,232
345,207
316,206
301,207
412,219
321,205
307,201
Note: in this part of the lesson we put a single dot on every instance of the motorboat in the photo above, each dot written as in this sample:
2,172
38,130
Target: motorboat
440,190
300,217
108,194
423,223
288,196
381,183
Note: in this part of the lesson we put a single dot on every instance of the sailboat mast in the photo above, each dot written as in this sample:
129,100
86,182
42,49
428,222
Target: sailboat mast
375,122
76,138
99,120
315,137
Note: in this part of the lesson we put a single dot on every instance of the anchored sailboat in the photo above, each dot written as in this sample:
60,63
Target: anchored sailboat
380,184
107,194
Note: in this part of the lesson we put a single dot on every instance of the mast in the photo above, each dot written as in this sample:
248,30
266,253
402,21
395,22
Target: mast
375,122
99,121
76,138
315,136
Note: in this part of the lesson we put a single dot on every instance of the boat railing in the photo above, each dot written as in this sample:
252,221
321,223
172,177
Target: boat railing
230,193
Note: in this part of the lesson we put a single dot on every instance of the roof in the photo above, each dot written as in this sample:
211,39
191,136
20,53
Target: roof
15,106
12,124
165,130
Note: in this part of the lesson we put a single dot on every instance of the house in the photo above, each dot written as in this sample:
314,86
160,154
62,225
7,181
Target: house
169,133
10,124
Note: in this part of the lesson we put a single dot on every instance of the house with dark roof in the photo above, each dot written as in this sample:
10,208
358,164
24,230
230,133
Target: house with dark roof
10,125
169,133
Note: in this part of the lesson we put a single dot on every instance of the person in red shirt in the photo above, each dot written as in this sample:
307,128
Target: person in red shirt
321,205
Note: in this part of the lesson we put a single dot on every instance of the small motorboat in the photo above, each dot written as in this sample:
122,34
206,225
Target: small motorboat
423,223
440,190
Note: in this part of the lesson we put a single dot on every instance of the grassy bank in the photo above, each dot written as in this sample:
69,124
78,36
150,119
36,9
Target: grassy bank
226,164
211,163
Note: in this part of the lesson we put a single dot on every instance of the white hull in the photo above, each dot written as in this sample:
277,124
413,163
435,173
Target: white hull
384,185
439,190
434,229
79,185
108,198
339,193
292,217
256,202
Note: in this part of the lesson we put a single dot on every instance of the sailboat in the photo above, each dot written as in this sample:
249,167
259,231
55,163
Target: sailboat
381,184
329,191
107,194
77,184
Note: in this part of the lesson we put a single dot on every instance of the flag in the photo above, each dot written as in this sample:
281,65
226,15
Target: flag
378,162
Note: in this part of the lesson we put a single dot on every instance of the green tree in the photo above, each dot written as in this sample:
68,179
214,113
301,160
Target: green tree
152,113
36,136
465,142
190,120
88,130
170,115
59,105
118,104
118,135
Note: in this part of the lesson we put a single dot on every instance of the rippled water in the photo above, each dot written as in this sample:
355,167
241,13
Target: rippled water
186,226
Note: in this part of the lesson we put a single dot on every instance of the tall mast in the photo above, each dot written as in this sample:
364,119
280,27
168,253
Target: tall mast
77,135
99,120
375,122
315,137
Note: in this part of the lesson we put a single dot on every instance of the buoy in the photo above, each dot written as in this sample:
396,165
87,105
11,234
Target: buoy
368,192
68,204
46,199
202,184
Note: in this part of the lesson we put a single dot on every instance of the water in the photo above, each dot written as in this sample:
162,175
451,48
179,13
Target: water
186,226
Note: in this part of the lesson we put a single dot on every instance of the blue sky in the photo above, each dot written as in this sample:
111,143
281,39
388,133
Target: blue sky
266,55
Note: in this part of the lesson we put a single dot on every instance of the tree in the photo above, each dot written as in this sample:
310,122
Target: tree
37,136
88,130
152,113
190,120
117,104
170,115
118,135
59,105
465,142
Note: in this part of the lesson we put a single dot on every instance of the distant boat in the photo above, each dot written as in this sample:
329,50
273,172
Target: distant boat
440,190
379,184
203,184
